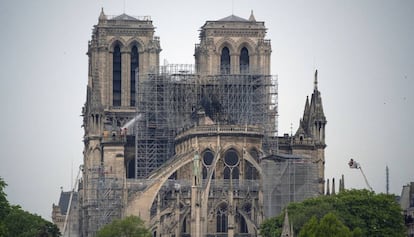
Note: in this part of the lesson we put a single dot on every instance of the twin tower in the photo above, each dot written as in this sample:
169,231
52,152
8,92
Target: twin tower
191,149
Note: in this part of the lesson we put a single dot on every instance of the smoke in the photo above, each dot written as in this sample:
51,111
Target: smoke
130,124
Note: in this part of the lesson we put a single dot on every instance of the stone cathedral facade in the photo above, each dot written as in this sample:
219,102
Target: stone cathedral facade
191,149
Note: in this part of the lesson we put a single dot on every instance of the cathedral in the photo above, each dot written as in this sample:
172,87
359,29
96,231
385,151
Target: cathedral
193,150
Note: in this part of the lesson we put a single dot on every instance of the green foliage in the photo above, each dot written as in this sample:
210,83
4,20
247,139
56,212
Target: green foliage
357,232
329,226
310,228
272,227
19,223
362,211
131,226
4,204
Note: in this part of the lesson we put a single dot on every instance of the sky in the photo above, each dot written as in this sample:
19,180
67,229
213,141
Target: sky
363,50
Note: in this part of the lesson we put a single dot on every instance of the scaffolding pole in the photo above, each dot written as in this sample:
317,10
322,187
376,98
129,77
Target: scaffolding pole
169,99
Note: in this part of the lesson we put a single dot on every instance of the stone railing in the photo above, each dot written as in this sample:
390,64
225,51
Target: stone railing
237,184
139,18
222,129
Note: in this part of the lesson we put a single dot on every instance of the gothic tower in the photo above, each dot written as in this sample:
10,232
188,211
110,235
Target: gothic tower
121,48
309,139
233,45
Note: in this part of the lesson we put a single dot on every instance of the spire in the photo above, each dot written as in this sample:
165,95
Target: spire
251,18
286,231
102,16
316,107
300,130
327,188
303,124
306,112
314,120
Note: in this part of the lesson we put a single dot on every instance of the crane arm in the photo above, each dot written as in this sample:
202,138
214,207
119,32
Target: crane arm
366,180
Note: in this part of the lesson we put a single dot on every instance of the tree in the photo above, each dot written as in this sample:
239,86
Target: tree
4,207
131,226
329,226
363,212
19,223
4,204
310,228
271,227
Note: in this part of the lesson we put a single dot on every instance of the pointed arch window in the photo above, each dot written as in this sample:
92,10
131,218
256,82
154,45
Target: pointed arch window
130,169
134,73
250,171
184,227
205,172
222,218
226,173
235,173
116,76
243,225
225,61
244,61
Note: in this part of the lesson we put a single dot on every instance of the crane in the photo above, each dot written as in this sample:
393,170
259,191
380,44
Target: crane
355,165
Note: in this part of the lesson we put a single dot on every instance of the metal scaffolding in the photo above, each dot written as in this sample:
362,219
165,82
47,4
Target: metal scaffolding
287,178
103,201
170,98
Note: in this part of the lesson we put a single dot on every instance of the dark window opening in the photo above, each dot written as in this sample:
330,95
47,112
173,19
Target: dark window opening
134,73
184,227
250,171
244,60
116,77
208,157
225,61
235,173
255,154
231,158
243,225
222,219
130,169
247,208
226,173
205,173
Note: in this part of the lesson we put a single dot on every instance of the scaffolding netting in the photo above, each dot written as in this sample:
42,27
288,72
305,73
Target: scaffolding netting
287,178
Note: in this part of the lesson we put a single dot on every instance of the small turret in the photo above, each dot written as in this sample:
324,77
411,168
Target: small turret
316,101
327,188
102,16
314,120
252,18
287,230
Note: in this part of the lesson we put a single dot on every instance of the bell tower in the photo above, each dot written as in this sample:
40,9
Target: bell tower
233,45
121,49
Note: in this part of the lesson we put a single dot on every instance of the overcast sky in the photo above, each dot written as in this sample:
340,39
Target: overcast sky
363,50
